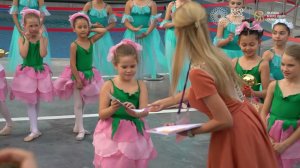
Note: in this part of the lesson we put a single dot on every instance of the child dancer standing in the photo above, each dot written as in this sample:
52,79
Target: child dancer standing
282,107
14,58
140,20
170,41
225,38
281,30
32,81
6,130
101,15
80,77
120,139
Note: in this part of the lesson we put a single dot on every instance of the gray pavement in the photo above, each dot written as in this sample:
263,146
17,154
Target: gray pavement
57,147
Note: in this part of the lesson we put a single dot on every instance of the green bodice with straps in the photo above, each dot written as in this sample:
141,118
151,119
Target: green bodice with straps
121,114
84,61
254,71
285,109
33,58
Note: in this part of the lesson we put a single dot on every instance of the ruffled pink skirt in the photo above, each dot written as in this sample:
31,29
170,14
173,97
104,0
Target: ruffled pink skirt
128,148
3,86
291,156
64,86
29,86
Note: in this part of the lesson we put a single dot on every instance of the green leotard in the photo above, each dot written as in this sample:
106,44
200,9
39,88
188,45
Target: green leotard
84,61
34,58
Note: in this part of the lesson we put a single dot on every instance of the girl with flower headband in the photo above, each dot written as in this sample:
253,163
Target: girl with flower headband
251,67
140,19
14,57
226,38
32,81
238,135
120,139
281,30
281,110
80,78
170,41
101,15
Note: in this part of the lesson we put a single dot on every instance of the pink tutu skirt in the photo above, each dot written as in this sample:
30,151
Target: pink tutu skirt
128,148
64,86
291,156
3,86
30,86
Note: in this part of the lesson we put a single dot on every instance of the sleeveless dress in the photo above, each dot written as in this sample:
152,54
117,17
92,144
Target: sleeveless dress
170,46
3,84
121,141
14,57
246,144
91,79
32,80
102,46
231,49
275,66
283,120
254,71
152,59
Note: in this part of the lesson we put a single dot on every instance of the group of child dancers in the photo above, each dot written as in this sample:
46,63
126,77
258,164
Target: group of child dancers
123,133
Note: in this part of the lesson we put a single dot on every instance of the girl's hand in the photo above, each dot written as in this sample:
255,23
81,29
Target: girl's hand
135,29
280,147
41,30
79,84
26,35
114,105
247,91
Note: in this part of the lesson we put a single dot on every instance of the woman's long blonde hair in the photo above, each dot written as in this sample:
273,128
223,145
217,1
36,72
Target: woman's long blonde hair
193,40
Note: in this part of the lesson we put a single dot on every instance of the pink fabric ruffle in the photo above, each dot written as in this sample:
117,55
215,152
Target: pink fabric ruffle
29,86
64,86
290,156
3,86
128,148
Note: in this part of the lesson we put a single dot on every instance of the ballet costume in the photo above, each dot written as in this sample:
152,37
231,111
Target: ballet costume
14,57
152,58
121,140
275,66
170,46
31,83
3,107
102,46
283,120
92,81
231,49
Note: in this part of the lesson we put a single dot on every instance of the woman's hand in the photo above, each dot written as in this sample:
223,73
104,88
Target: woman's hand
230,37
143,35
247,91
157,105
135,29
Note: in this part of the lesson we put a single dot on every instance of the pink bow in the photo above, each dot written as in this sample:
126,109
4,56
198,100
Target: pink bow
112,50
26,11
255,26
76,15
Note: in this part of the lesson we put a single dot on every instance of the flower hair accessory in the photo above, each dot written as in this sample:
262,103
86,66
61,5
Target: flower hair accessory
76,15
113,49
255,26
26,11
284,21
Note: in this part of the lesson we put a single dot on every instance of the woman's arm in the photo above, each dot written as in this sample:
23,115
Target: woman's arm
111,24
15,17
168,16
265,79
220,30
127,23
87,7
106,110
153,21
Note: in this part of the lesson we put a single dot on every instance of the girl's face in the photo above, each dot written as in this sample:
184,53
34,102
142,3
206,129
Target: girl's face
235,4
126,67
249,44
32,26
81,27
280,35
290,67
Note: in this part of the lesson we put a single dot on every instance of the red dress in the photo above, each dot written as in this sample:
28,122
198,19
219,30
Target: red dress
246,144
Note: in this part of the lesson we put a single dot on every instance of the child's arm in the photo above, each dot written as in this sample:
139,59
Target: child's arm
153,21
73,65
265,79
23,46
143,97
15,17
219,41
111,24
105,109
268,101
167,23
99,33
126,22
43,46
281,147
